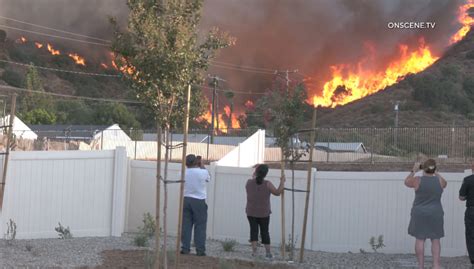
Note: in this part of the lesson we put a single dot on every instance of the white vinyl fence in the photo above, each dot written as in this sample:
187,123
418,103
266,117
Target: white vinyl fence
346,208
85,190
102,193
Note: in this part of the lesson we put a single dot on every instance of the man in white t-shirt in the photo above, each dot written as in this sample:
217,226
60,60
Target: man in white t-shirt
194,207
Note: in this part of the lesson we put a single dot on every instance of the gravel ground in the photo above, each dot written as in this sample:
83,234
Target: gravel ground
67,253
86,252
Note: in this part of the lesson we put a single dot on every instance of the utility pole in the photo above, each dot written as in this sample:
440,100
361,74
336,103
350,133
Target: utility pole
286,76
214,83
396,108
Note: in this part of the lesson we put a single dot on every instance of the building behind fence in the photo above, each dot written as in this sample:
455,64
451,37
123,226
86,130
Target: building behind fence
360,145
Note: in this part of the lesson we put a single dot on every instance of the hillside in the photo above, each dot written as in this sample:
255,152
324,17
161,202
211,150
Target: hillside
442,95
83,83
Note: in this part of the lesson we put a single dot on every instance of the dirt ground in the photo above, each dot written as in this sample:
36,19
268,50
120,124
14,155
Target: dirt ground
134,259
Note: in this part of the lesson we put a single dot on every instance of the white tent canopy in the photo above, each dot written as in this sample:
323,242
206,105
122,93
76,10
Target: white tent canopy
20,129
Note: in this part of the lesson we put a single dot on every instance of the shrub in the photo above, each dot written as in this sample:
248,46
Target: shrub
3,36
468,87
228,245
470,55
450,72
10,235
376,245
140,240
39,116
63,233
12,78
149,225
145,232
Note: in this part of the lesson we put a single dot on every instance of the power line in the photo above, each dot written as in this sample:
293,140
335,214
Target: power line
117,76
238,92
243,70
55,36
53,29
242,66
72,96
60,70
215,63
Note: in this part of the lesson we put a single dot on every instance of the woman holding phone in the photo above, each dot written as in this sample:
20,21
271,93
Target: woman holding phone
427,215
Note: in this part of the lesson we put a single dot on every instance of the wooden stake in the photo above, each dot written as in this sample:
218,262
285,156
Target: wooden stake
165,200
7,149
308,185
282,250
158,194
183,171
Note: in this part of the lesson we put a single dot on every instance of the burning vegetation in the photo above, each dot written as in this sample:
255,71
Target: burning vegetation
351,82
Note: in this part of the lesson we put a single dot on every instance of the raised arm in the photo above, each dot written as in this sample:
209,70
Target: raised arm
411,181
274,190
442,181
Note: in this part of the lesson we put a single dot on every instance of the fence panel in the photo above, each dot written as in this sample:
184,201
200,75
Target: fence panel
346,208
74,188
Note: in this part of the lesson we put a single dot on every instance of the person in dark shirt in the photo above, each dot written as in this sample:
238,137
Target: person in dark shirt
466,193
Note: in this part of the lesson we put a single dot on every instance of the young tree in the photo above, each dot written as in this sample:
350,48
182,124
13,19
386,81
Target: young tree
286,110
160,54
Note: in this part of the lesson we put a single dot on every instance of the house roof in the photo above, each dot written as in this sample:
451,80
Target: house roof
341,146
67,131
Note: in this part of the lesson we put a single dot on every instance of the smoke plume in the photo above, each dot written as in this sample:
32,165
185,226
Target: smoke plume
276,34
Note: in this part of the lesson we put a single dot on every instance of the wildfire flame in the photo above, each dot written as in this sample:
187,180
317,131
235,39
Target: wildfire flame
53,51
38,45
104,65
78,59
249,104
21,40
223,128
465,19
234,122
124,69
352,82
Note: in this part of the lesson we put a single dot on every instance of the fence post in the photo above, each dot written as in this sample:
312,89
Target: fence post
212,201
119,200
327,150
466,144
135,157
102,140
372,146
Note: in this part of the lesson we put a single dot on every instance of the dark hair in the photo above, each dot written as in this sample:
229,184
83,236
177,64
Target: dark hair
429,166
190,160
260,173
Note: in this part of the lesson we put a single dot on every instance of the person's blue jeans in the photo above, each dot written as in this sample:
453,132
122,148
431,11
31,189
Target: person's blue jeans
194,214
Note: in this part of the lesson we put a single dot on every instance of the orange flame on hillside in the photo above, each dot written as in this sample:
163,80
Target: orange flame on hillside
223,128
21,40
53,51
465,19
249,104
38,45
352,82
234,122
78,59
104,65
